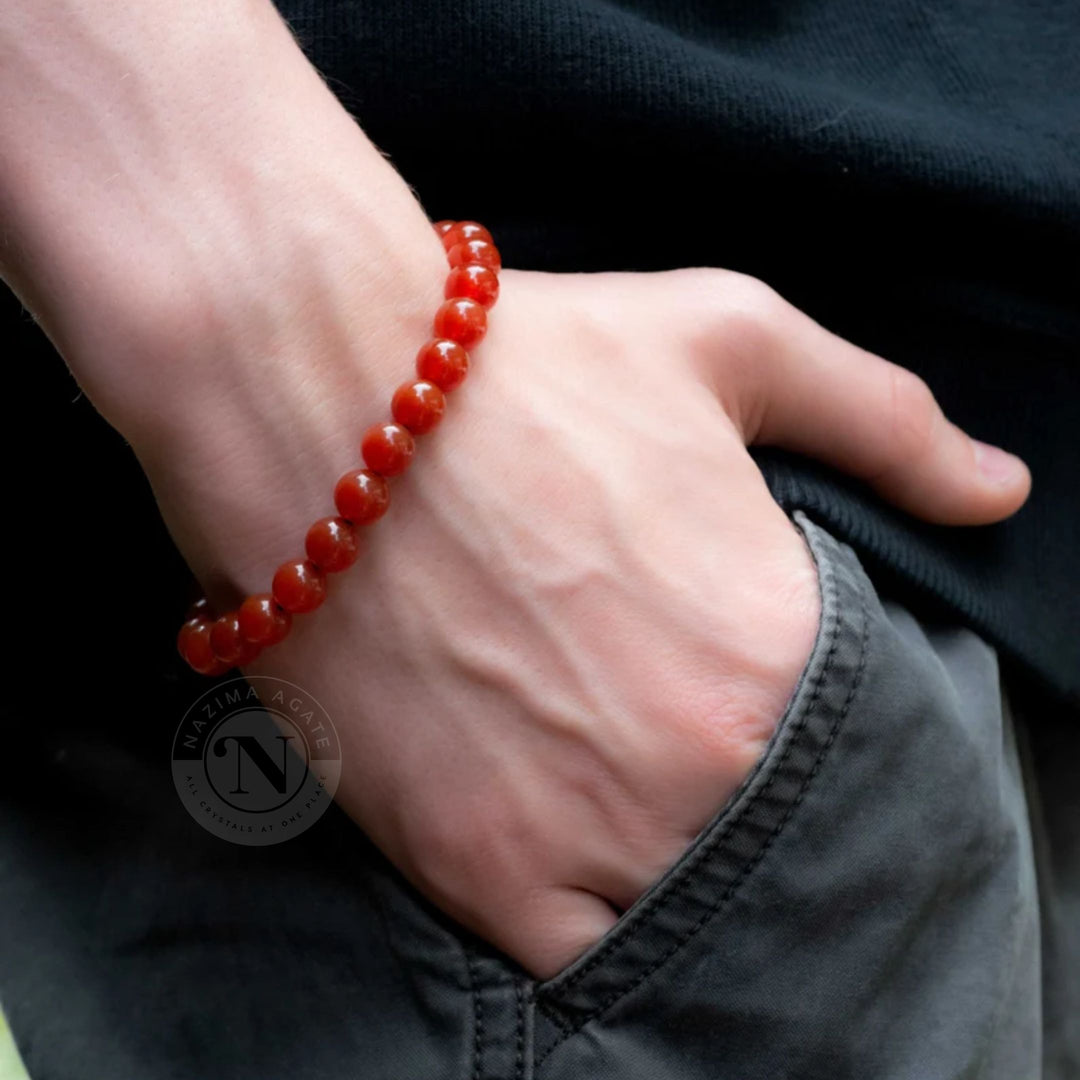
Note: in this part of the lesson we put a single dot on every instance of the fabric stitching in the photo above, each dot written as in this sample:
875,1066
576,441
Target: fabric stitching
478,1019
564,1026
678,882
519,1061
730,892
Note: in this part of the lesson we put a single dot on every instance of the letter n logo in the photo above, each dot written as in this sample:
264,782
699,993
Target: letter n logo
250,747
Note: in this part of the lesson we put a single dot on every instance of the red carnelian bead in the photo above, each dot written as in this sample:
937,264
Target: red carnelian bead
332,544
479,283
444,226
445,363
262,621
228,644
464,231
299,586
387,448
461,320
419,406
193,642
361,496
187,635
475,253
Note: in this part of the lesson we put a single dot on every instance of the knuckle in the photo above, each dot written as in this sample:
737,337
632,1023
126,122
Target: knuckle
719,292
913,415
735,337
749,316
751,292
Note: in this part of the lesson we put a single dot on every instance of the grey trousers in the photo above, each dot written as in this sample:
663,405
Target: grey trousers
893,893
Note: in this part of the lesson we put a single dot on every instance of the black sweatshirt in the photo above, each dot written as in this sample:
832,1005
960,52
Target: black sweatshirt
908,173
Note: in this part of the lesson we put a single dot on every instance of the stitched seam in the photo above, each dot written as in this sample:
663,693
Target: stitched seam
478,1020
750,866
563,1025
519,1061
679,882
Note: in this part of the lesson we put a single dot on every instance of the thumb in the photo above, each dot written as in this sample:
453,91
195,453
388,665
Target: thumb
819,395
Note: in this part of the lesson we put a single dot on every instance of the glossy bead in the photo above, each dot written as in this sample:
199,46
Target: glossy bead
444,226
228,644
479,283
475,253
461,320
193,641
463,231
361,496
299,586
187,642
332,544
445,363
419,406
262,621
387,448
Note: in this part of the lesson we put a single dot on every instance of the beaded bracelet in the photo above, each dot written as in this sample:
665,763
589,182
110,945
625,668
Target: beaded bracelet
214,645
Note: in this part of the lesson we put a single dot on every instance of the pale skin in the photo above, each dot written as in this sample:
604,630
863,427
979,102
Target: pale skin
576,629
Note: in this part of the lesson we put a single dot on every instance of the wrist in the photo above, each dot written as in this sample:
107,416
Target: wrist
326,296
187,205
285,386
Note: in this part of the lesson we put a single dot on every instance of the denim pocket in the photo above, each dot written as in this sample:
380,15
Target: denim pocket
682,903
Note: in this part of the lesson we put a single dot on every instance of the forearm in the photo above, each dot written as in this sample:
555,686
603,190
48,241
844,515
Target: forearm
181,171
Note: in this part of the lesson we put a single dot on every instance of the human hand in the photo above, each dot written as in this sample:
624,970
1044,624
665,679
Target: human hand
584,615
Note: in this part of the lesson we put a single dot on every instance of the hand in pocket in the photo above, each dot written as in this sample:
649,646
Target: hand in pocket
585,614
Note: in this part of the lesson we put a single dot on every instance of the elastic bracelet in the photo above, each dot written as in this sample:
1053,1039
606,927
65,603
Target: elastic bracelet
212,645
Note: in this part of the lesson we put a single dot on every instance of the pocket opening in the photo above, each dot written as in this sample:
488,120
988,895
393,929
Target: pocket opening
697,885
